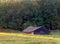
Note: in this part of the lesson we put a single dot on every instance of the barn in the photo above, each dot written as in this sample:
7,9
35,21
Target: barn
36,30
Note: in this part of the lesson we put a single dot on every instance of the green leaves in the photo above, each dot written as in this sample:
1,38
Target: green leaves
29,14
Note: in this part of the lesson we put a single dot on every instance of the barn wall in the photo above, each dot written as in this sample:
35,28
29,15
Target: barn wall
30,33
41,31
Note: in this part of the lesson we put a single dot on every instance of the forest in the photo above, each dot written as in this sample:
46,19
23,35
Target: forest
22,14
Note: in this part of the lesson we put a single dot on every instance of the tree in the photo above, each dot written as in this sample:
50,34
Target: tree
48,12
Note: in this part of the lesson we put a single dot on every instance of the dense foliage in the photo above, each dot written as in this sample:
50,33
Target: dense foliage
21,15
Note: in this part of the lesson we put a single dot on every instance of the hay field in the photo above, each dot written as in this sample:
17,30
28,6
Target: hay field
20,38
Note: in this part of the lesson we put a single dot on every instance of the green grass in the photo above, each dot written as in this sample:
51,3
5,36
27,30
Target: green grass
55,33
4,39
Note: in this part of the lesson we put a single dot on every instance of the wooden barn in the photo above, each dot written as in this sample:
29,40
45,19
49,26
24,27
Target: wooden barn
36,30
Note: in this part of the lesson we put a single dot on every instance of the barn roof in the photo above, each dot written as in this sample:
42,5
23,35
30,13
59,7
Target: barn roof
30,29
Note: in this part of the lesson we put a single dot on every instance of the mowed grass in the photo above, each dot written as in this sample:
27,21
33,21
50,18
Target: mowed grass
6,39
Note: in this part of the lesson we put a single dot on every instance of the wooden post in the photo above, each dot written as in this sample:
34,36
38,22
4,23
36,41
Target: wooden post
32,33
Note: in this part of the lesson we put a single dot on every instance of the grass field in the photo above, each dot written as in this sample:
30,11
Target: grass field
13,38
17,40
21,38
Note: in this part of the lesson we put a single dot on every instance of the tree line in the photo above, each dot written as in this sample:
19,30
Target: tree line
21,15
